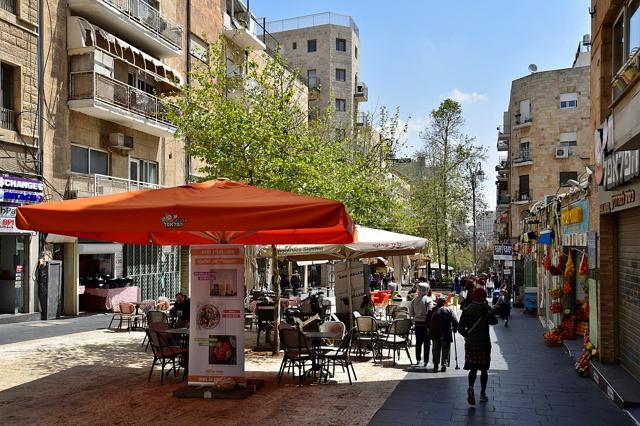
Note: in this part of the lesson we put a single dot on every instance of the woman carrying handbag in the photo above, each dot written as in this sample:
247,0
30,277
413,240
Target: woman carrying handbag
474,327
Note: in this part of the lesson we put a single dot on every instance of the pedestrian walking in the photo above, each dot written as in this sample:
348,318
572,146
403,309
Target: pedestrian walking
503,306
420,309
442,326
474,327
468,291
295,282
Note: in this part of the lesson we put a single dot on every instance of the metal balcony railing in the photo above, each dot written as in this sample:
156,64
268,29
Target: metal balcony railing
150,18
7,119
521,156
361,90
523,196
90,85
8,5
522,120
502,165
315,20
362,119
97,184
503,200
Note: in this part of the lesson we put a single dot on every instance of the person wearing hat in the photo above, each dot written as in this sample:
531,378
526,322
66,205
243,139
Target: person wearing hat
443,322
474,327
420,309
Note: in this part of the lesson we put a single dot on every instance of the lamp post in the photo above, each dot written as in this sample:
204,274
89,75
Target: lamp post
475,174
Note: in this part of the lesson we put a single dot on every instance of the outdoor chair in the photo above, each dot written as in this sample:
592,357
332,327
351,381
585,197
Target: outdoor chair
390,310
146,306
341,356
164,354
367,337
337,328
127,313
400,312
163,304
296,353
398,338
266,313
116,315
325,309
157,321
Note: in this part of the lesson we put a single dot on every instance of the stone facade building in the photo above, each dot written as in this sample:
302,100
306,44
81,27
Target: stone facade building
325,48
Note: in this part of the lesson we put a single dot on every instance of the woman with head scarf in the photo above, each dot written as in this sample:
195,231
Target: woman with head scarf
474,327
420,309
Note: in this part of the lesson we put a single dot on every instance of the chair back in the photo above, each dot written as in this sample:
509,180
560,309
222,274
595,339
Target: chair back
115,308
157,317
356,314
294,340
400,327
366,325
163,304
127,308
347,341
147,305
266,312
390,310
400,314
336,328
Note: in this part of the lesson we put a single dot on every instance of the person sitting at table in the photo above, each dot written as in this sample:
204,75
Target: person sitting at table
181,309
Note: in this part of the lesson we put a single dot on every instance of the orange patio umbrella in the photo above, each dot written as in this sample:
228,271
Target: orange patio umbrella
215,212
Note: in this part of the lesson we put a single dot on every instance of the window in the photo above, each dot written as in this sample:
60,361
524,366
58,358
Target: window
199,49
134,80
90,161
569,139
143,170
568,100
7,83
312,79
618,44
626,35
8,5
341,45
233,69
341,105
294,45
634,27
524,116
565,176
341,74
523,188
311,45
356,51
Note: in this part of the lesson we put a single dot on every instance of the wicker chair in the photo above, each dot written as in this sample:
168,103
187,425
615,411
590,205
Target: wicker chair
296,353
127,312
164,354
341,356
367,337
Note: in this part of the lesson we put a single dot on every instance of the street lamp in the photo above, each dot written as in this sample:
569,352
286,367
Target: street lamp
476,174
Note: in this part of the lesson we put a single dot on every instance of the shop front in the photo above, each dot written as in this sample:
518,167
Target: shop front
18,249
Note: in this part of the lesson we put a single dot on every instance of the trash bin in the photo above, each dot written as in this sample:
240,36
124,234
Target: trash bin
530,299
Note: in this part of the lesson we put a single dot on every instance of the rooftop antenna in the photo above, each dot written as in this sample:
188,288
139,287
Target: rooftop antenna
533,68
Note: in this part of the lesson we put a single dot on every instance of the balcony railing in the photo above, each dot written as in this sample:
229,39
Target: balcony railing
82,186
522,120
522,196
8,5
90,85
361,91
362,119
521,156
308,21
7,119
150,18
503,165
503,146
503,200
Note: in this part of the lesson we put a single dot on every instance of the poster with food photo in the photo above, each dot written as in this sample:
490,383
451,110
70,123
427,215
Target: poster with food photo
223,350
223,283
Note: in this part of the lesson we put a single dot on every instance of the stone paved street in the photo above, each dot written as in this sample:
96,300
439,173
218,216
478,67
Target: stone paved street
529,384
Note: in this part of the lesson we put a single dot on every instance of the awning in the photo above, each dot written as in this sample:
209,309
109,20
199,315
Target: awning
83,36
60,239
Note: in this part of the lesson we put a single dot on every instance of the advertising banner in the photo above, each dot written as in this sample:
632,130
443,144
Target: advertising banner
502,252
359,287
216,340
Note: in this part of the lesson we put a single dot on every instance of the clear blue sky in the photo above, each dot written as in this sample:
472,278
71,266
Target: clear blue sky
413,54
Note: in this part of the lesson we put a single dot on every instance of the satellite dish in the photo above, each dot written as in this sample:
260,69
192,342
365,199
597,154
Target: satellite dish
533,68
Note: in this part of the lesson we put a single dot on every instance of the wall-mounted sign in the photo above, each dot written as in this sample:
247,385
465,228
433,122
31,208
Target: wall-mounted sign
622,199
575,240
20,197
571,215
502,252
575,218
13,182
621,167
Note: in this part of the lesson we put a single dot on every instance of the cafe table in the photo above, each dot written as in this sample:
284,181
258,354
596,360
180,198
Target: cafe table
182,335
316,343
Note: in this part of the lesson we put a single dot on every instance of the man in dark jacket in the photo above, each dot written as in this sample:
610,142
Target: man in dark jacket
443,322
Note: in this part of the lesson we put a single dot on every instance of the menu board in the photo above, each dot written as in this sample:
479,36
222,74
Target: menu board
216,334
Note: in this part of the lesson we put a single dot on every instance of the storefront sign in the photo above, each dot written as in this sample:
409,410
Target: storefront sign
621,199
8,219
575,218
575,240
12,182
216,341
502,252
621,167
20,197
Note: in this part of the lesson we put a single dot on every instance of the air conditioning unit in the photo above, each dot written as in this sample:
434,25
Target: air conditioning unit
562,152
120,142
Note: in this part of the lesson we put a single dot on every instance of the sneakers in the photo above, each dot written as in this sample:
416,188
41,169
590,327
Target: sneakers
483,398
435,368
443,369
506,322
471,399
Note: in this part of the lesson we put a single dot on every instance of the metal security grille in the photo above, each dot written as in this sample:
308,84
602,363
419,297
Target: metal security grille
629,290
155,269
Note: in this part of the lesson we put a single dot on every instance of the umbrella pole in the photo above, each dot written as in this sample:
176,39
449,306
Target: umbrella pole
276,284
349,291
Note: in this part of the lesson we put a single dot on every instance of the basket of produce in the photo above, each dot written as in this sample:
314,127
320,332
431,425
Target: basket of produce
555,307
553,337
556,293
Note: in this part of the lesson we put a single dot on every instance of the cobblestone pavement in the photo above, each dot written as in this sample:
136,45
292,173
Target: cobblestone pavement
100,377
529,384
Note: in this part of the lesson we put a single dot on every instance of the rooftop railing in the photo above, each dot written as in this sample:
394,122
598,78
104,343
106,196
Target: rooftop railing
7,119
315,20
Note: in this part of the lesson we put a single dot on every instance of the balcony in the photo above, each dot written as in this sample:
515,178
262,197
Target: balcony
105,98
503,201
502,167
361,93
626,111
503,146
136,22
522,197
242,28
362,119
7,119
83,186
522,122
504,132
521,158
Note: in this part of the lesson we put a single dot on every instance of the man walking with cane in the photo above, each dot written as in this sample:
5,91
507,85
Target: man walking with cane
443,322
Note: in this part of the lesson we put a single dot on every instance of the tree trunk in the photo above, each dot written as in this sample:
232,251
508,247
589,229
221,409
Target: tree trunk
276,285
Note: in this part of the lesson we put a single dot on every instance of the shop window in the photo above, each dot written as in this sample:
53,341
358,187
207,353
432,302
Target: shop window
341,74
341,45
87,160
311,45
566,176
341,105
568,100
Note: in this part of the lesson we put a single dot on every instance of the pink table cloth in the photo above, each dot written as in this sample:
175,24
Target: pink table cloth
114,296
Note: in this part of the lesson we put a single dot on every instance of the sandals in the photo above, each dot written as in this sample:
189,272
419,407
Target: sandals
483,398
471,399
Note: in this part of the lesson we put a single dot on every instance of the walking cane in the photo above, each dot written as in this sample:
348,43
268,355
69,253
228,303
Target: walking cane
455,348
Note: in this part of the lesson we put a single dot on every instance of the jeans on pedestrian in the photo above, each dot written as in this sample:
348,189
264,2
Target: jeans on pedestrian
441,350
422,338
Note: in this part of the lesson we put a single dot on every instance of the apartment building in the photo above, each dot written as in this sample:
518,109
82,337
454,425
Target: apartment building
615,129
543,142
325,48
20,182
